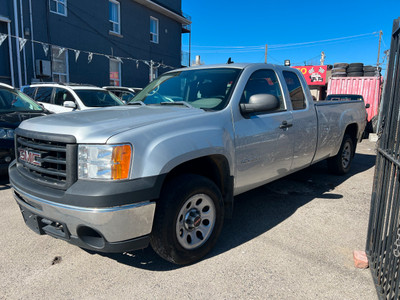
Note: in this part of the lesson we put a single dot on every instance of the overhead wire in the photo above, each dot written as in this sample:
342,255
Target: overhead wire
247,49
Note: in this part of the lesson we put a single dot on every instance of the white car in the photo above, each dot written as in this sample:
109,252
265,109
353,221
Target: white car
58,97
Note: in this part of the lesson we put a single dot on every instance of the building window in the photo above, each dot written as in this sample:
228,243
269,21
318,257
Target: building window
59,64
115,22
154,30
58,7
115,72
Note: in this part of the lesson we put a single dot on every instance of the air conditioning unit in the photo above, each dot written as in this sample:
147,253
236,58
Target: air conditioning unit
43,68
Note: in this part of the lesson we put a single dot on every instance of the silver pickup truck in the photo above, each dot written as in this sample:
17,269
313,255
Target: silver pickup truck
164,171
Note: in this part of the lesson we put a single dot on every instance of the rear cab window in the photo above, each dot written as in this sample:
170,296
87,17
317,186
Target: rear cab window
296,93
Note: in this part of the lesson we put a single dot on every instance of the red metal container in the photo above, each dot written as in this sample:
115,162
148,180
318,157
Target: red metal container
368,87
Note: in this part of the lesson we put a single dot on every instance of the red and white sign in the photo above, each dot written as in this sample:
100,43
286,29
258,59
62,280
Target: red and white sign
114,75
314,75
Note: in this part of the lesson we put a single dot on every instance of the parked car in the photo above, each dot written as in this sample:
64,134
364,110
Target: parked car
14,108
166,172
59,97
126,94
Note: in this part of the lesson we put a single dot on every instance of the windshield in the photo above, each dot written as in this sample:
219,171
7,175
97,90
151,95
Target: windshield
98,98
13,100
208,89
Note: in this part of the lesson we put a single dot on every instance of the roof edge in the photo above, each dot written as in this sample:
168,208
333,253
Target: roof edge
165,11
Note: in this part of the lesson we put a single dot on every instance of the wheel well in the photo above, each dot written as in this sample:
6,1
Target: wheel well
352,130
214,167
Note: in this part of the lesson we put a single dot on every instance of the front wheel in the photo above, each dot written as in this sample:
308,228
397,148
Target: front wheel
341,162
188,219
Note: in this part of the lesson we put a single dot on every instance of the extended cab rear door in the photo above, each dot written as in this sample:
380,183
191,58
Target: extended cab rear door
263,143
305,124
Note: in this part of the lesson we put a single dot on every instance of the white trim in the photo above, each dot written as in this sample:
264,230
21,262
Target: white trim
17,43
23,36
10,54
119,72
54,59
32,39
162,10
5,19
157,34
57,12
118,16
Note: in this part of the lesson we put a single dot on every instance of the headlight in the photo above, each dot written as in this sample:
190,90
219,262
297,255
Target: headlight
6,134
107,162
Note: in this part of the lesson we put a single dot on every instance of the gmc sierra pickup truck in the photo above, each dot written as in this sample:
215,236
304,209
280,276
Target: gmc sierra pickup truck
164,171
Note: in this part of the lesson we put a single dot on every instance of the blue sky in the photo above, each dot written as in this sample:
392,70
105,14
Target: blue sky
240,29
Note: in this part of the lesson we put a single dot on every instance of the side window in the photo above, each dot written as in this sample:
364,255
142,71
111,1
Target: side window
43,94
296,92
30,91
62,95
263,82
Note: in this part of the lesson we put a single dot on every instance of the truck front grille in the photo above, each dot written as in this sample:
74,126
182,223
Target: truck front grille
48,159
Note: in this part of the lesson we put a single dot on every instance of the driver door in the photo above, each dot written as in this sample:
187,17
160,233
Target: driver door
264,144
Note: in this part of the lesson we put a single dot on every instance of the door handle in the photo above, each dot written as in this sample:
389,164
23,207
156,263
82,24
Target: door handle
285,125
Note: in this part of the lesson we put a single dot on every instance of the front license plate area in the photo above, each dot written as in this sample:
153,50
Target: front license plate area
32,221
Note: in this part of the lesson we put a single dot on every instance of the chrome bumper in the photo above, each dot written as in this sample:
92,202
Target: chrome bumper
115,224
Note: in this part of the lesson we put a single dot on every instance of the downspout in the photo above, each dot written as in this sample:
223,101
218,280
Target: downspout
17,43
10,54
32,39
23,36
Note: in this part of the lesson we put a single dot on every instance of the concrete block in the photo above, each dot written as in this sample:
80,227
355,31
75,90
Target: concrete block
360,259
373,137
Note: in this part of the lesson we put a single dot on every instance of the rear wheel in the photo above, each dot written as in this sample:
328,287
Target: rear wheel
188,219
341,162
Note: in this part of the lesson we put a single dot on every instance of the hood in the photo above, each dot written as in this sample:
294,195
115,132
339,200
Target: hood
13,119
98,125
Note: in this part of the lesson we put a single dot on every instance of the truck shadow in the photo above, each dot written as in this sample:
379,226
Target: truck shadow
261,209
4,182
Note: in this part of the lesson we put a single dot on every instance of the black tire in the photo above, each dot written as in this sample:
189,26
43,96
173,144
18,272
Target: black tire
355,69
370,74
355,74
340,163
190,206
335,70
371,69
356,65
340,74
340,65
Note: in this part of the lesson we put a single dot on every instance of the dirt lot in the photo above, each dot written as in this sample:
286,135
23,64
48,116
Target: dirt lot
292,239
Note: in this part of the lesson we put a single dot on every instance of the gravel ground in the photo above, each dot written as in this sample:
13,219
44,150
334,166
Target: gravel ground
292,239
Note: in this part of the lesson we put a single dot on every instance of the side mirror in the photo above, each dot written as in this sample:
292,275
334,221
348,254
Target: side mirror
367,105
69,104
260,103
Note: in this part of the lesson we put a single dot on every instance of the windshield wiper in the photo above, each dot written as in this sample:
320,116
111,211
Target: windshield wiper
177,103
141,103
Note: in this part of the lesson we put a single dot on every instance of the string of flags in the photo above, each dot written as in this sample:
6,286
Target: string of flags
61,50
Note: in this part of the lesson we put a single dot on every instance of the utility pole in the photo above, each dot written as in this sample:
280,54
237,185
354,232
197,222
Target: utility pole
379,47
266,50
151,70
322,58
